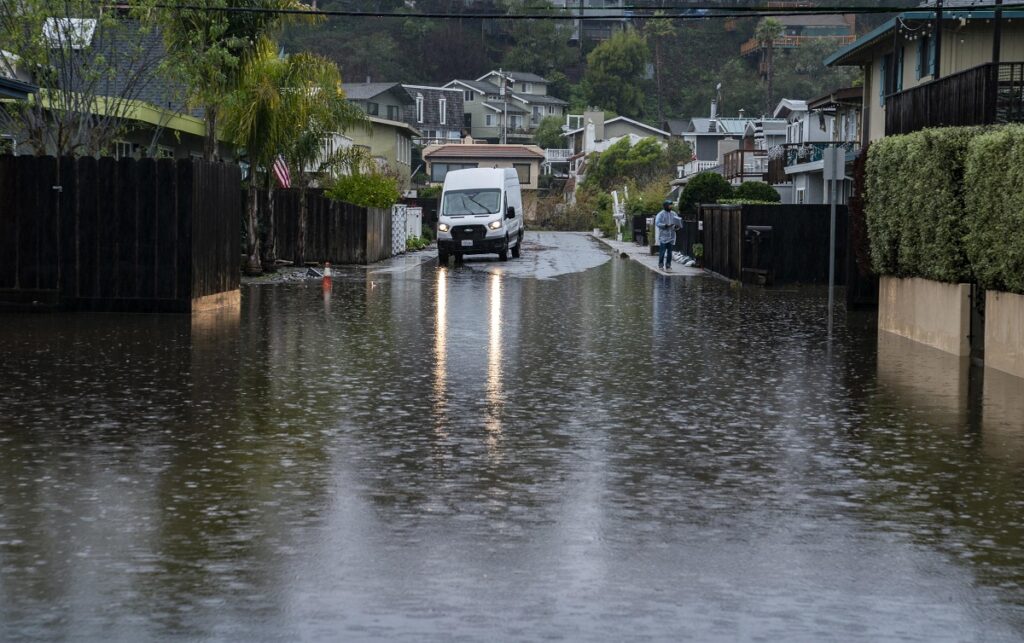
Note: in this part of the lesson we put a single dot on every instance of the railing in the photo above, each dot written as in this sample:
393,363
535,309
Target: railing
983,95
789,42
557,155
740,164
694,167
791,154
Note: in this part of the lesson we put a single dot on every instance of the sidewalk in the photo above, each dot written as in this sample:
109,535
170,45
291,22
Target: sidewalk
642,255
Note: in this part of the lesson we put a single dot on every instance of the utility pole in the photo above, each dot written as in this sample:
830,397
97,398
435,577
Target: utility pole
832,173
504,110
938,40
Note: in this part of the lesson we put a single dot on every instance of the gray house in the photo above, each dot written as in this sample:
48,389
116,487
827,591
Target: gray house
383,100
516,114
437,112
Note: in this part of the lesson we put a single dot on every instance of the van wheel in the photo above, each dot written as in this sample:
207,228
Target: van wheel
458,257
518,249
503,255
442,257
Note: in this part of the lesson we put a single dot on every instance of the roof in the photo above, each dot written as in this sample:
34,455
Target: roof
539,99
499,106
518,76
787,106
366,91
396,124
435,88
483,151
675,125
845,96
609,121
10,88
475,85
856,52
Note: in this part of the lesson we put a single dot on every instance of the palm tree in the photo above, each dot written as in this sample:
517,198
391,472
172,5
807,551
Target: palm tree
767,32
279,102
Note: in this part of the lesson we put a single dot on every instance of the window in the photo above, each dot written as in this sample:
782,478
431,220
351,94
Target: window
883,78
393,113
462,202
164,152
439,170
469,96
898,76
454,135
124,150
489,120
419,108
551,109
442,107
925,57
528,88
523,170
403,149
373,109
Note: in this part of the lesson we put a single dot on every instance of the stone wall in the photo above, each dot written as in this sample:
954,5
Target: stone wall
930,312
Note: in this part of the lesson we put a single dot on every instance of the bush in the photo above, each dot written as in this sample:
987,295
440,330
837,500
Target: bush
368,190
429,192
706,187
746,202
416,243
756,191
994,200
914,204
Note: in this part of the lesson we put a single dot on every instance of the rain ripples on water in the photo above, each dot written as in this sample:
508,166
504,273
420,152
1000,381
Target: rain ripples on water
470,451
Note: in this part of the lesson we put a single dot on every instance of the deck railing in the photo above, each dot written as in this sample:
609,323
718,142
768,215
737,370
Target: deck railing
740,164
983,95
790,42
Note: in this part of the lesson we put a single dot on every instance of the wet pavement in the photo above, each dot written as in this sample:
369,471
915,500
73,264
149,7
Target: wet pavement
474,452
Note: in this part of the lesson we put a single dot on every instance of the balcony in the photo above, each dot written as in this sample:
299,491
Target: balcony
984,95
694,167
557,156
790,42
791,155
745,164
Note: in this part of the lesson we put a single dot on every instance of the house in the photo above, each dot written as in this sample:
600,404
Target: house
811,128
437,112
381,100
911,69
525,159
390,144
800,29
598,134
514,115
596,20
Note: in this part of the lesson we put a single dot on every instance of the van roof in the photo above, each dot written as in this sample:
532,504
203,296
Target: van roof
477,177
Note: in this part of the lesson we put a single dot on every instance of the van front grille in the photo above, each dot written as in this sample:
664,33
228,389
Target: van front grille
474,232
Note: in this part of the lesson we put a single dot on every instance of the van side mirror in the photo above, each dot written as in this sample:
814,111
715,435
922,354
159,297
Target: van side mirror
510,213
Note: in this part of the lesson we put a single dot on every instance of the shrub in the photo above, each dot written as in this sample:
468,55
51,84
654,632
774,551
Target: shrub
914,204
413,243
706,187
368,190
746,202
429,192
994,199
756,191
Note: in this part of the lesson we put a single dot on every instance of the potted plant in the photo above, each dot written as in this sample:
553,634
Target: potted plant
698,254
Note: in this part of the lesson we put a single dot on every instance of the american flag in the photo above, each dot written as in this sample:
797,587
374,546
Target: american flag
284,178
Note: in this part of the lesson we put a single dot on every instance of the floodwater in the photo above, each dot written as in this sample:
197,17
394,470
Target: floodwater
580,450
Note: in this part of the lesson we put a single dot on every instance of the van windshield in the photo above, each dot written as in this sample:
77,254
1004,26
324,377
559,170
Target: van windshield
460,202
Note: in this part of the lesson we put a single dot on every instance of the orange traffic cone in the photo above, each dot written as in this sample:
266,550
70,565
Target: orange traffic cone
326,283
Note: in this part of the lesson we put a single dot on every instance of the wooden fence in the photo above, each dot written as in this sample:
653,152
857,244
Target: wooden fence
106,234
336,232
796,252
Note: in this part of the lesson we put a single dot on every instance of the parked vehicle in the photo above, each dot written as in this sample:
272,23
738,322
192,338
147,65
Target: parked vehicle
481,212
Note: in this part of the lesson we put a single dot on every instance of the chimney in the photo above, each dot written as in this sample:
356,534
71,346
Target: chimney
713,121
597,118
742,112
367,79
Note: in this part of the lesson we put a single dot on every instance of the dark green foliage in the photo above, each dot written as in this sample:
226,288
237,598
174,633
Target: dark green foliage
994,199
369,190
624,162
914,204
756,191
429,192
706,187
613,69
549,133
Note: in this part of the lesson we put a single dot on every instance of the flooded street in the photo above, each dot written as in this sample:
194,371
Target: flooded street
565,446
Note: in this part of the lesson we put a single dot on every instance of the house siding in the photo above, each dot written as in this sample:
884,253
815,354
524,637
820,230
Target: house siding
454,109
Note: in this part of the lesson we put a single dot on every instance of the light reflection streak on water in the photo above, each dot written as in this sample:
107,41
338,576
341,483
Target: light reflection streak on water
493,422
441,354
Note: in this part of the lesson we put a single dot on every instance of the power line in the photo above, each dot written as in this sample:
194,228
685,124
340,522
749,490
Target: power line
690,13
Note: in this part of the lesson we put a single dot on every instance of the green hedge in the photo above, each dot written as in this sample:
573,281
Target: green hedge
994,197
914,204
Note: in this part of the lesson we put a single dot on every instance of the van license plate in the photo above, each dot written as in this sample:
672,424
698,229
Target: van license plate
467,242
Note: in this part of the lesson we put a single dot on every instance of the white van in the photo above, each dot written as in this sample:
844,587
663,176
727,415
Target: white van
481,212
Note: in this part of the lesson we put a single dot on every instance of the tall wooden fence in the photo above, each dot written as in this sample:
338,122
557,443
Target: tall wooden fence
108,234
797,251
336,232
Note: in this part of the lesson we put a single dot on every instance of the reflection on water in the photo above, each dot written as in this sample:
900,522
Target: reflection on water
453,451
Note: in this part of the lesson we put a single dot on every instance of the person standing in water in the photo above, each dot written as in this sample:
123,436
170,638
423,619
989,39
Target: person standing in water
666,224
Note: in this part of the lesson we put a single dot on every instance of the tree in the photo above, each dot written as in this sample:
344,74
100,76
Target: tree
549,133
756,191
206,48
623,162
91,67
706,187
768,31
274,103
614,74
658,32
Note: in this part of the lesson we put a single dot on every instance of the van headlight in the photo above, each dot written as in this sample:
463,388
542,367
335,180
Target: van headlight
495,225
442,227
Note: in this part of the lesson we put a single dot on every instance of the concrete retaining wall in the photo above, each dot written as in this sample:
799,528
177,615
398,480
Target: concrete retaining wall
930,312
1004,332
